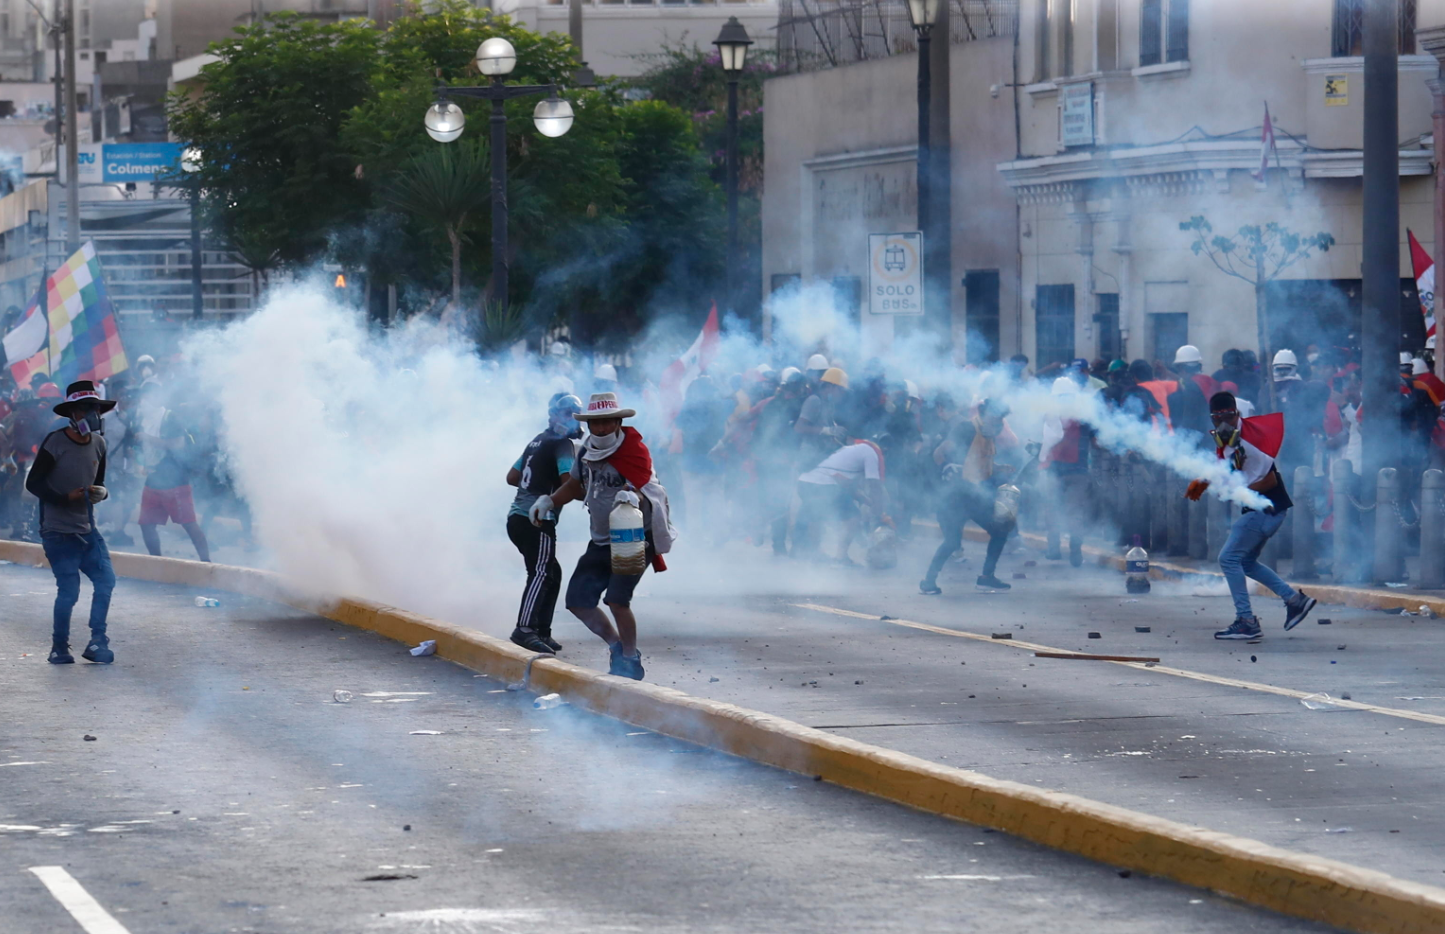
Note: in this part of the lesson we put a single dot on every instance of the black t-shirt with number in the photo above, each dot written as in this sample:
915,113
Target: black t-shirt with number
542,465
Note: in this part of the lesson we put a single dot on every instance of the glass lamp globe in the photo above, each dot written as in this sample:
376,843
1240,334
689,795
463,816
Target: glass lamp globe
552,117
496,56
445,121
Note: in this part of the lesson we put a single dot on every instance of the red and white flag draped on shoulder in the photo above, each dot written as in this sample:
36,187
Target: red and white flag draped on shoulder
693,363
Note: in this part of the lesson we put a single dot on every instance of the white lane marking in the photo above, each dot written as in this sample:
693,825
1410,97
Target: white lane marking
73,898
973,878
3,764
1152,669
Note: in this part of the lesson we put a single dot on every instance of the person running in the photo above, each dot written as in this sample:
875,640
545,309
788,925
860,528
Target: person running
614,465
1250,446
846,488
544,466
969,488
167,494
68,477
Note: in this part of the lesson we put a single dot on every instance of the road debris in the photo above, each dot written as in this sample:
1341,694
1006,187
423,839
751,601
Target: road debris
1095,658
1095,635
207,602
425,733
1143,629
549,701
1002,635
88,738
429,647
342,697
1321,702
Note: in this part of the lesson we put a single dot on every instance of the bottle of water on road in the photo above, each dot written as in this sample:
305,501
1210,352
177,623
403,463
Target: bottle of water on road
629,538
207,601
1136,568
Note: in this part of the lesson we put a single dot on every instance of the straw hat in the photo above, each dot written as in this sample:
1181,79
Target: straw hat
603,405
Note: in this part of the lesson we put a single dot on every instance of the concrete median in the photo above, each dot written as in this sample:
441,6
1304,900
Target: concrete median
1295,884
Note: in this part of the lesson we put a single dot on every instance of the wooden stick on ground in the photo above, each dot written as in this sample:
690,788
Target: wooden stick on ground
1095,658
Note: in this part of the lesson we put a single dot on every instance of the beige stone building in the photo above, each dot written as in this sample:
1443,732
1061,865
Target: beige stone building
1136,116
1132,116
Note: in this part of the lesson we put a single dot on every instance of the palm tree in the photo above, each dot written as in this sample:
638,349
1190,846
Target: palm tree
442,187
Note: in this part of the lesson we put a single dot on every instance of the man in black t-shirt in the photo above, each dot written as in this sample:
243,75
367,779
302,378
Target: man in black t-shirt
542,468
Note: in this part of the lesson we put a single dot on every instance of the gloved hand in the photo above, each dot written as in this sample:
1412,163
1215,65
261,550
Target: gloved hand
98,493
540,509
952,472
1196,490
627,496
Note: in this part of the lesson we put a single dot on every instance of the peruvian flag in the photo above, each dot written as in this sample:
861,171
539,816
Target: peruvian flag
1266,145
1424,268
693,363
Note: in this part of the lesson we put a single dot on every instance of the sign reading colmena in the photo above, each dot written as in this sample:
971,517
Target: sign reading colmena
128,162
895,273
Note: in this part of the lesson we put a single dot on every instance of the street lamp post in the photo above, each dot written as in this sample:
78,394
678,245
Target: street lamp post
191,164
922,14
732,46
445,121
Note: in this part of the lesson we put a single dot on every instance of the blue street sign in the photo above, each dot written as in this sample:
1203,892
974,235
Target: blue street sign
138,162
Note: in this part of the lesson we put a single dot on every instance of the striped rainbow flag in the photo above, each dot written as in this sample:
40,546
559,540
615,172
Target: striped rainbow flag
84,340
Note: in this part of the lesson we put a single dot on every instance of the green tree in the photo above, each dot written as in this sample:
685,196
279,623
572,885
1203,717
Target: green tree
267,121
443,188
1257,254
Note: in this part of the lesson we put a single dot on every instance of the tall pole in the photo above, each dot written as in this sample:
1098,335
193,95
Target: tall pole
938,237
925,106
499,198
197,302
72,137
574,24
732,181
1437,93
1381,248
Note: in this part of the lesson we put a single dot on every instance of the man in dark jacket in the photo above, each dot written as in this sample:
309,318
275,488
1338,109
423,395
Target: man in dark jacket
68,477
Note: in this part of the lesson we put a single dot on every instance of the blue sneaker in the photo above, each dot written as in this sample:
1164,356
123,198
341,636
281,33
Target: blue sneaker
1243,629
630,666
60,654
1296,609
614,659
99,652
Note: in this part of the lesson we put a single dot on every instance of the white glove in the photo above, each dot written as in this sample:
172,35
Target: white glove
952,472
540,509
98,493
628,497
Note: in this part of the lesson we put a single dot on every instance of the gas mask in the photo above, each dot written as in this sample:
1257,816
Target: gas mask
86,421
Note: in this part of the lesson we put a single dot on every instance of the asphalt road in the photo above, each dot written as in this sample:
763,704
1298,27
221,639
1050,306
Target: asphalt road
226,790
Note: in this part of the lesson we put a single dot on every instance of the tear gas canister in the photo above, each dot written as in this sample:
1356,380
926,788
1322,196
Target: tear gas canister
629,538
1136,568
1006,504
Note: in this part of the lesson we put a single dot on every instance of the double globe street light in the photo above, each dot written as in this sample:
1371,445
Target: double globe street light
445,121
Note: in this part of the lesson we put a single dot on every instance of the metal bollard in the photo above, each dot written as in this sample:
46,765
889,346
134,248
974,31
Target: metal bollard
1389,555
1303,520
1158,479
1432,529
1220,518
1346,535
1178,509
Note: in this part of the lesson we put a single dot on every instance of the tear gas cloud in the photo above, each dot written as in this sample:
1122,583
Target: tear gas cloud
374,461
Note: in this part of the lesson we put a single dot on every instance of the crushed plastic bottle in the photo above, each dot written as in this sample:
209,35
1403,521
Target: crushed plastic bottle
1321,702
207,601
341,697
548,701
1136,568
427,647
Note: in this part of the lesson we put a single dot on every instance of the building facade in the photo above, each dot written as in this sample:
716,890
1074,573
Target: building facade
1138,115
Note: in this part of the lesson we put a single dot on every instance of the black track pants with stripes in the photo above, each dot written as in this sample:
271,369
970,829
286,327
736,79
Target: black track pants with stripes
544,575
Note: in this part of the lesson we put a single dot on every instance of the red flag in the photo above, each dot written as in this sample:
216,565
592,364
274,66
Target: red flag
693,363
1424,269
1266,145
1265,432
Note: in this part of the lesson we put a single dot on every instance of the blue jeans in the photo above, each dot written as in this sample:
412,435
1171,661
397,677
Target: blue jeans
1239,558
69,557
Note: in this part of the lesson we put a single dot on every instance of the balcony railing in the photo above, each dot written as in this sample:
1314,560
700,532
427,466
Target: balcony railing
816,34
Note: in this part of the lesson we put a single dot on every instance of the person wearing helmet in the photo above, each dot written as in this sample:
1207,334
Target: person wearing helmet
1188,404
68,477
604,378
544,466
817,422
816,367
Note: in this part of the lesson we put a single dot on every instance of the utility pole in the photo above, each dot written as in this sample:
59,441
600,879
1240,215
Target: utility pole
574,24
72,136
1381,248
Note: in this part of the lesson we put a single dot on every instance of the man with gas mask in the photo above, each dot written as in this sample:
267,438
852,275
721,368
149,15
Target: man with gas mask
541,470
68,477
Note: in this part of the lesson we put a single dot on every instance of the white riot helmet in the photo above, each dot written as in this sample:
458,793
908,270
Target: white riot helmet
788,373
1406,358
1285,366
1188,354
817,362
605,371
1417,366
1430,342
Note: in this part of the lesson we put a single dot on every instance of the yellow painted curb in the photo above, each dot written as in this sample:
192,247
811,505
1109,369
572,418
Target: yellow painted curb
1296,884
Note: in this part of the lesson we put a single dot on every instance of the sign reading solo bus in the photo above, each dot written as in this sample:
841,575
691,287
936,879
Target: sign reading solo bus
895,273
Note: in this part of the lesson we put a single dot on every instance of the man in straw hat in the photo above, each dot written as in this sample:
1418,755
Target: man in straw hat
614,465
68,477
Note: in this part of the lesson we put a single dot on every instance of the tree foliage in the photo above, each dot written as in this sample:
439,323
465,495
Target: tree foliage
1257,254
314,147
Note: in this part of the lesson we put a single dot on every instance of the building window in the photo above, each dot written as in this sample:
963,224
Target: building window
1106,319
1053,325
980,315
1163,31
1348,34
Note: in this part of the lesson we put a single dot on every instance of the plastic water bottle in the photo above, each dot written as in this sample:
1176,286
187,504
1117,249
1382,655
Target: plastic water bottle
548,701
1136,568
629,539
341,697
207,601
